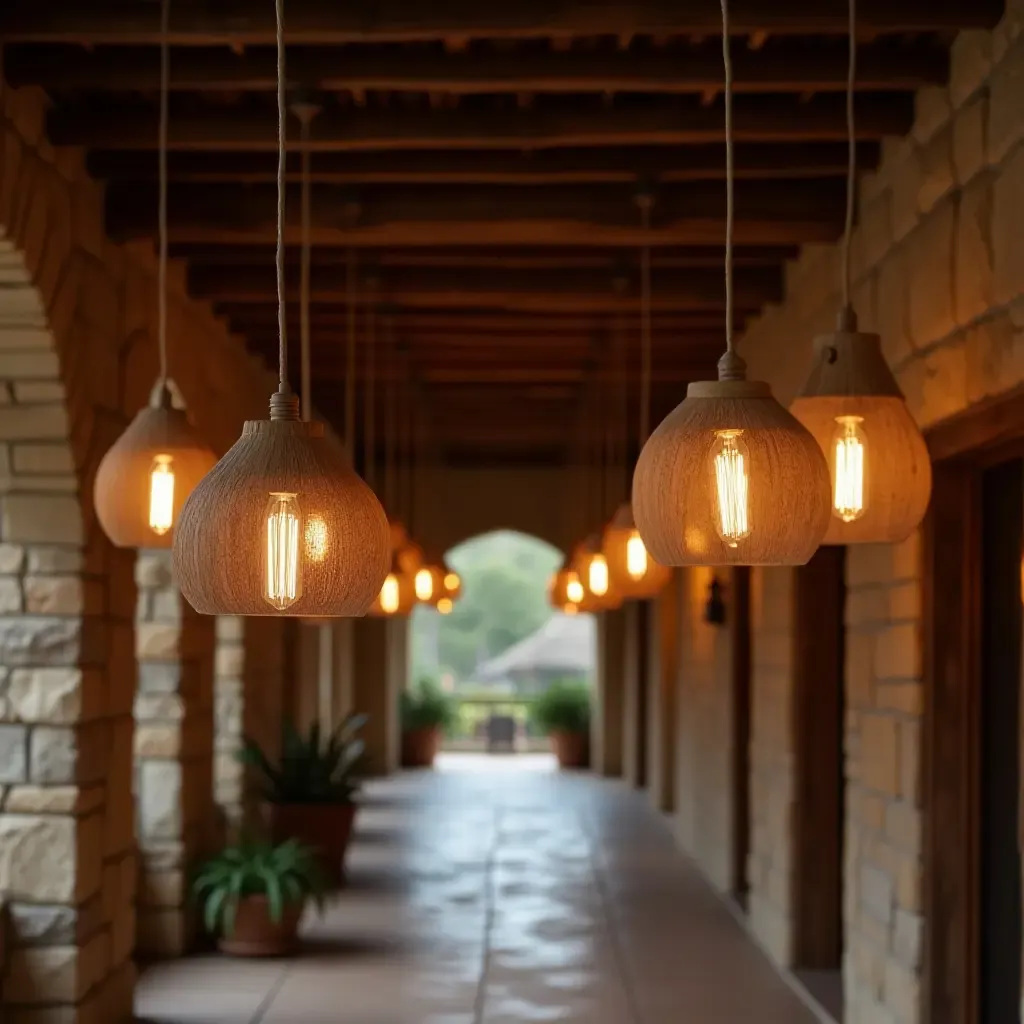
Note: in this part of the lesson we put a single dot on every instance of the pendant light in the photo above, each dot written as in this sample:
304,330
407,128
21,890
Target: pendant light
730,477
282,525
880,472
428,581
143,480
396,595
636,574
565,590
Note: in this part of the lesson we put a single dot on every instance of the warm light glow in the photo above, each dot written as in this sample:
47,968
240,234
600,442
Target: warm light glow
282,582
389,595
731,482
574,589
636,556
316,539
848,468
597,575
444,606
161,495
452,581
570,609
424,584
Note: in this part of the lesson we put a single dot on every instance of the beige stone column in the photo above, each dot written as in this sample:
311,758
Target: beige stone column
377,645
173,753
609,693
634,682
229,709
662,639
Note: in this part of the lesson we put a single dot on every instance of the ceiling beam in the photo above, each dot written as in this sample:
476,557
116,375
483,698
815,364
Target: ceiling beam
327,23
754,161
538,291
767,213
562,122
695,70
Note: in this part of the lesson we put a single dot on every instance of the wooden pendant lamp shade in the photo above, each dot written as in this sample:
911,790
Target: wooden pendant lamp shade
221,542
396,595
565,591
637,575
676,494
135,502
594,600
851,382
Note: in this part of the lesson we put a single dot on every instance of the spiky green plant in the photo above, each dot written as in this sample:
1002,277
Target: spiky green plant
312,769
563,707
286,874
427,706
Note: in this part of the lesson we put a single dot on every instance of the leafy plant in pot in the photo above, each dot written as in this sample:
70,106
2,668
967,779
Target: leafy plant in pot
252,895
427,713
310,794
563,713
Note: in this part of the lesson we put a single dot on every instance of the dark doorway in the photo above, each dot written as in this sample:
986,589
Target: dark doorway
819,709
999,861
739,611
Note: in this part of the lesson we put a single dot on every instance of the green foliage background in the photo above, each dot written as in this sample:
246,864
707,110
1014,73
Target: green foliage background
504,599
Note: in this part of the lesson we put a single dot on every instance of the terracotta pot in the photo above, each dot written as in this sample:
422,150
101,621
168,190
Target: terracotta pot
571,748
325,827
420,746
257,934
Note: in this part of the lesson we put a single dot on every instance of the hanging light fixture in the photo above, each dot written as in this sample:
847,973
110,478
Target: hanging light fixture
878,462
282,524
636,574
730,477
144,478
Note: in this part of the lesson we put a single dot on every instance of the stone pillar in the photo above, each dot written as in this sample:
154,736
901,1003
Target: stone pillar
173,753
609,693
662,670
373,677
229,709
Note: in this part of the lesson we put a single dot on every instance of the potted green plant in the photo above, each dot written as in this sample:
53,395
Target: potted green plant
252,895
310,794
562,711
427,712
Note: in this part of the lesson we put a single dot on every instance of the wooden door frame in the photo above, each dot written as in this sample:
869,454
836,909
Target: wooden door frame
742,697
961,448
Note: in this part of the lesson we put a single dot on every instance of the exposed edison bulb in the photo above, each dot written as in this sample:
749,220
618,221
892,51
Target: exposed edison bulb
161,494
316,539
574,589
452,581
389,594
282,581
424,584
444,606
732,469
597,575
849,463
636,556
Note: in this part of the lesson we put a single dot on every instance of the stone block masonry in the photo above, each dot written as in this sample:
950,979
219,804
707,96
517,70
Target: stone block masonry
77,359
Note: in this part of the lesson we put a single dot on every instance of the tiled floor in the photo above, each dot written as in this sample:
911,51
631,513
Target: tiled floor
498,896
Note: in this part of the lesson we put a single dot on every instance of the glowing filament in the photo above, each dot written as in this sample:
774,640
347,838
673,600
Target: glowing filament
389,595
574,589
597,575
316,539
636,556
731,480
848,500
444,606
424,584
161,495
283,576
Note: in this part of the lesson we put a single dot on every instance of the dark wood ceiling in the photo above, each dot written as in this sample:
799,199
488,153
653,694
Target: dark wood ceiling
482,162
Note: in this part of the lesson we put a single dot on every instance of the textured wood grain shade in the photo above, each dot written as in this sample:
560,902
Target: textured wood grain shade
221,541
615,544
850,379
676,494
122,489
560,586
584,556
397,594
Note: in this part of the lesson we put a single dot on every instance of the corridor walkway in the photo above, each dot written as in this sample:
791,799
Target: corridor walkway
499,897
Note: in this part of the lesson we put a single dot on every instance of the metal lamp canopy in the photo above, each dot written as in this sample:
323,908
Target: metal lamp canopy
851,381
136,504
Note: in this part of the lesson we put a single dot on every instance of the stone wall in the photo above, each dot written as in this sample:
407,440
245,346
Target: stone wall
938,264
77,358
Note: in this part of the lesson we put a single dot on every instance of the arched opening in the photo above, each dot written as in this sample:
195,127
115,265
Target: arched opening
502,647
